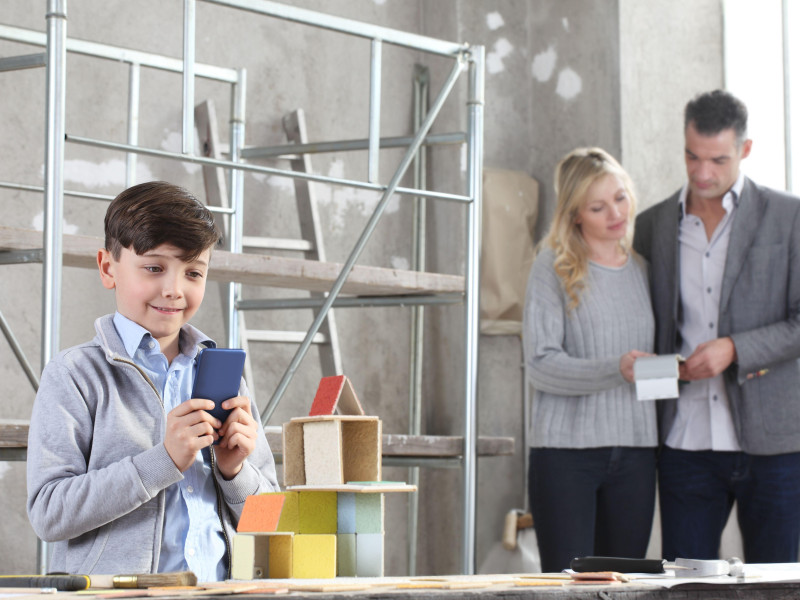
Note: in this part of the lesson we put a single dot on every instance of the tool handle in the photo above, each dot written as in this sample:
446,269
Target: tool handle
586,564
63,583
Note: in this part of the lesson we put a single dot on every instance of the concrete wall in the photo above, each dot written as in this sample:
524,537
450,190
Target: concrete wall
613,73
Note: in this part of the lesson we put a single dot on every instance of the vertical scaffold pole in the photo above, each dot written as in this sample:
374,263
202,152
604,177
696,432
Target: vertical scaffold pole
238,96
134,84
472,286
374,110
189,12
53,192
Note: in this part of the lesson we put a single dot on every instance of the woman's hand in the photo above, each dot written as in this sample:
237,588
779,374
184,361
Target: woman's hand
626,363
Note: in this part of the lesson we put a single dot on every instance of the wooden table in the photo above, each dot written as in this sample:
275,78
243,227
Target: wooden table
628,591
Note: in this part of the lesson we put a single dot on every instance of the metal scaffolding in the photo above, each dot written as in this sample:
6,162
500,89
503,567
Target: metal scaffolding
465,58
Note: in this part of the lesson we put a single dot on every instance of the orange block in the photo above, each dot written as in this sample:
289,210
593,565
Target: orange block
261,513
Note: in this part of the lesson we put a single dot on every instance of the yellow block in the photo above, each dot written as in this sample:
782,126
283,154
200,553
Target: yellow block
290,515
280,556
318,512
314,556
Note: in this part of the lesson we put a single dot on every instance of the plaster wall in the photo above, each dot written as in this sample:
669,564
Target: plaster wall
559,74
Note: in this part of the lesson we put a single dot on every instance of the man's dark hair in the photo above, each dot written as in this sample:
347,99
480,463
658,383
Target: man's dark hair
714,112
150,214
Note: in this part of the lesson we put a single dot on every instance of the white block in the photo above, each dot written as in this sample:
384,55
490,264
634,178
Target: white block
656,377
322,447
369,555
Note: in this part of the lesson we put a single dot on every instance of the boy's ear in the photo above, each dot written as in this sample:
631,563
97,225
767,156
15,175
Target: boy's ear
104,263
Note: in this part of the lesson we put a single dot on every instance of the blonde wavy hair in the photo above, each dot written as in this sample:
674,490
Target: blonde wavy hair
574,174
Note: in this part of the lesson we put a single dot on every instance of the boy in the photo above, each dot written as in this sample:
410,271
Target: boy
121,473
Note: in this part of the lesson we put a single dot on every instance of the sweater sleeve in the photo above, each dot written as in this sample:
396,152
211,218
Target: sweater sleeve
549,366
65,498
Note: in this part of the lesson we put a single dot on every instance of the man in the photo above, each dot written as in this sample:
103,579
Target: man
725,282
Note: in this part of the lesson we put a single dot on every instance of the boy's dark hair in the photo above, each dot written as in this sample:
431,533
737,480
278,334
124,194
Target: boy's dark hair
150,214
717,111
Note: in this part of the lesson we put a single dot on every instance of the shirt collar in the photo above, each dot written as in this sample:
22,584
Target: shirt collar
134,336
729,201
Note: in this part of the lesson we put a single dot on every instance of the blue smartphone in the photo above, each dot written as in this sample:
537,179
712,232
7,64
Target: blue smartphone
218,376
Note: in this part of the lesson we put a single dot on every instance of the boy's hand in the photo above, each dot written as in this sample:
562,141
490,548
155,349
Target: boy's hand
189,429
238,436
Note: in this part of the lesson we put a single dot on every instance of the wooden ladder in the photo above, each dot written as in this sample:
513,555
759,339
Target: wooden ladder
310,245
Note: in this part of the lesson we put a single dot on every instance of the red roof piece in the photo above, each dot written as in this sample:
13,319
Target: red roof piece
261,513
335,392
327,396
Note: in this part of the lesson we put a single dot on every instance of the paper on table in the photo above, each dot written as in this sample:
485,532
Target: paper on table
656,377
753,573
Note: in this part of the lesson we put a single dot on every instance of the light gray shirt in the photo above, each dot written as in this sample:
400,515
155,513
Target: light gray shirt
703,420
580,399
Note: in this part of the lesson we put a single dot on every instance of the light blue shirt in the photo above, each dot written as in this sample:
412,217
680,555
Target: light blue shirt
192,537
704,420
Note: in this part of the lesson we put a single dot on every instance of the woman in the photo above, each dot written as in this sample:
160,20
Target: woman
587,319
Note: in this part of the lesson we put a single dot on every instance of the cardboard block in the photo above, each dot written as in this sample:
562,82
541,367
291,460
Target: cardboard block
261,513
290,515
317,512
335,394
346,555
369,513
294,467
281,556
250,556
322,448
346,510
314,556
361,449
369,555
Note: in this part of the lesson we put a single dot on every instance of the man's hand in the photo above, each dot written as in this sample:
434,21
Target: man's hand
238,437
626,363
709,359
189,429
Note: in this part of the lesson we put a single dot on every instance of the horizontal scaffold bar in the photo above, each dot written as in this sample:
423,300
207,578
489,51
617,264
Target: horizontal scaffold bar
126,55
347,26
201,160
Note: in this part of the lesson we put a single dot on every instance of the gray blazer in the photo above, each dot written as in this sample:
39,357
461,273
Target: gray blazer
759,309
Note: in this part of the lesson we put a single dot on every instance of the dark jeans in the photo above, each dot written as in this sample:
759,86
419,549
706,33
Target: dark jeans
697,491
596,501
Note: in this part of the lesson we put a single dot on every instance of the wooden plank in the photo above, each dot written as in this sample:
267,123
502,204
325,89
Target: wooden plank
441,446
258,269
14,434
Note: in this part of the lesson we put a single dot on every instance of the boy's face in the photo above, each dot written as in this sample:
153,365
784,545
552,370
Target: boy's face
158,290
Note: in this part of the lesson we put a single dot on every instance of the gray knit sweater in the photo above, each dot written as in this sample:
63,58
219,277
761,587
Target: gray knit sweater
580,399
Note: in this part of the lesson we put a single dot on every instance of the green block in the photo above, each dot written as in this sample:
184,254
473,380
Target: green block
318,512
369,513
346,555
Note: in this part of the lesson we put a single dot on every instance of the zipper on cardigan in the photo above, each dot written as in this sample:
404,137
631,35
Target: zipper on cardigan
229,553
143,374
217,490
